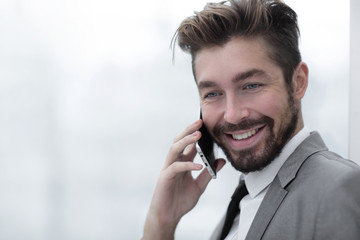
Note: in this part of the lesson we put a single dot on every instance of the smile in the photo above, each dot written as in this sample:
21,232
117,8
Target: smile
244,135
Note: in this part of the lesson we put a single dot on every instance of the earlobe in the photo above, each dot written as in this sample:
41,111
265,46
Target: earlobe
300,80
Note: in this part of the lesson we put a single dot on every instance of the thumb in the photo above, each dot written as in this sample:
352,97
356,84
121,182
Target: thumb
220,163
204,178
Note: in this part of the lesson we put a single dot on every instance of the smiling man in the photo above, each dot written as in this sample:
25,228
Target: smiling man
251,80
246,103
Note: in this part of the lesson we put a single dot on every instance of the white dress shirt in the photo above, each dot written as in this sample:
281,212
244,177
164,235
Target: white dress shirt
257,184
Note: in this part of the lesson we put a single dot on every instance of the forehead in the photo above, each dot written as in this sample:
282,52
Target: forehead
237,55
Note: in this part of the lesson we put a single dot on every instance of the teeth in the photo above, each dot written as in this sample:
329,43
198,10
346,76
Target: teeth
244,135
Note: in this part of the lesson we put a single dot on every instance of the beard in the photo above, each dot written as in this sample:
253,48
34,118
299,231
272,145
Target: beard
260,156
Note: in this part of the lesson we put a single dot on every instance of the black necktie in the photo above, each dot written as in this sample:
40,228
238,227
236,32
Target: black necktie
233,208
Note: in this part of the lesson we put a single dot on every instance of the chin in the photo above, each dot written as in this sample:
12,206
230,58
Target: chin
250,160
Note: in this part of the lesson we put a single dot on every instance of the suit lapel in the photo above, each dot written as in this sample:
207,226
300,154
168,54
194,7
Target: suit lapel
277,189
271,203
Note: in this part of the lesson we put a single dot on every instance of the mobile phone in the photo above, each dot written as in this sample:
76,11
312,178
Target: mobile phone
205,148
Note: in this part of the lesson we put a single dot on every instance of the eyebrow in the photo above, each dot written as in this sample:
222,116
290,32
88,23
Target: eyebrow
247,74
239,77
206,84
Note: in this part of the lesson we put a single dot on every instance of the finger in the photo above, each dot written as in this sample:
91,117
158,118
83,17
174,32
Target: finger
190,150
189,130
177,149
180,167
204,178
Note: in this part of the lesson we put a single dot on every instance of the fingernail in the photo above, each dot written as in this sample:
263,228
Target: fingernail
198,166
197,121
195,133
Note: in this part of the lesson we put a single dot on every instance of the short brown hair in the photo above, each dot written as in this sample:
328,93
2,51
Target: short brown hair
272,20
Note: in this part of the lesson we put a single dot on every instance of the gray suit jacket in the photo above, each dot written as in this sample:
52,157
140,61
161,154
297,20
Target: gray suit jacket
315,195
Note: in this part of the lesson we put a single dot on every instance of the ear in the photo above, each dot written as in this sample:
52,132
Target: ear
300,80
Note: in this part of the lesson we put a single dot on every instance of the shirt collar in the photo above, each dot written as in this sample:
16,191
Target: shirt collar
257,181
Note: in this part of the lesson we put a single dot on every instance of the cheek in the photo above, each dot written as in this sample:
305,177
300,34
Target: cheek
211,115
272,105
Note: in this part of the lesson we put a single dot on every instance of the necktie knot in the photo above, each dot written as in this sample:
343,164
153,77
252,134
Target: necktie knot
240,191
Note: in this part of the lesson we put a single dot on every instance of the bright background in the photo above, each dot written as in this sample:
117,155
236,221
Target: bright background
90,102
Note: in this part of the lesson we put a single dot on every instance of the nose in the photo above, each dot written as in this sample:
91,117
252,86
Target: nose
235,111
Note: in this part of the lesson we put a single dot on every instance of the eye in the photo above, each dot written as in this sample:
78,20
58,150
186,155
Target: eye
252,86
212,95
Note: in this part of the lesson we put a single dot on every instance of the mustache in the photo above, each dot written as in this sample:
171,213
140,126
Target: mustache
243,125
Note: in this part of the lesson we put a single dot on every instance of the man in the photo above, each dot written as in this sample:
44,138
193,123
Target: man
251,80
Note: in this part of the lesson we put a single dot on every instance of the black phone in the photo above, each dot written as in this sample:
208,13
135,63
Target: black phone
205,148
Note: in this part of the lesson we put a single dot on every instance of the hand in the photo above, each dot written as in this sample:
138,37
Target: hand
177,192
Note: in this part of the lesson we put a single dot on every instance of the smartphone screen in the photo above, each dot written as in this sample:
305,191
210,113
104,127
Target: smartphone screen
205,148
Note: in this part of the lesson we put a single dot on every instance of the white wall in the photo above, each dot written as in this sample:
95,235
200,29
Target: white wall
354,129
90,103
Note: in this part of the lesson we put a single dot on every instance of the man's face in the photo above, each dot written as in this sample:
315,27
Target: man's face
245,103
